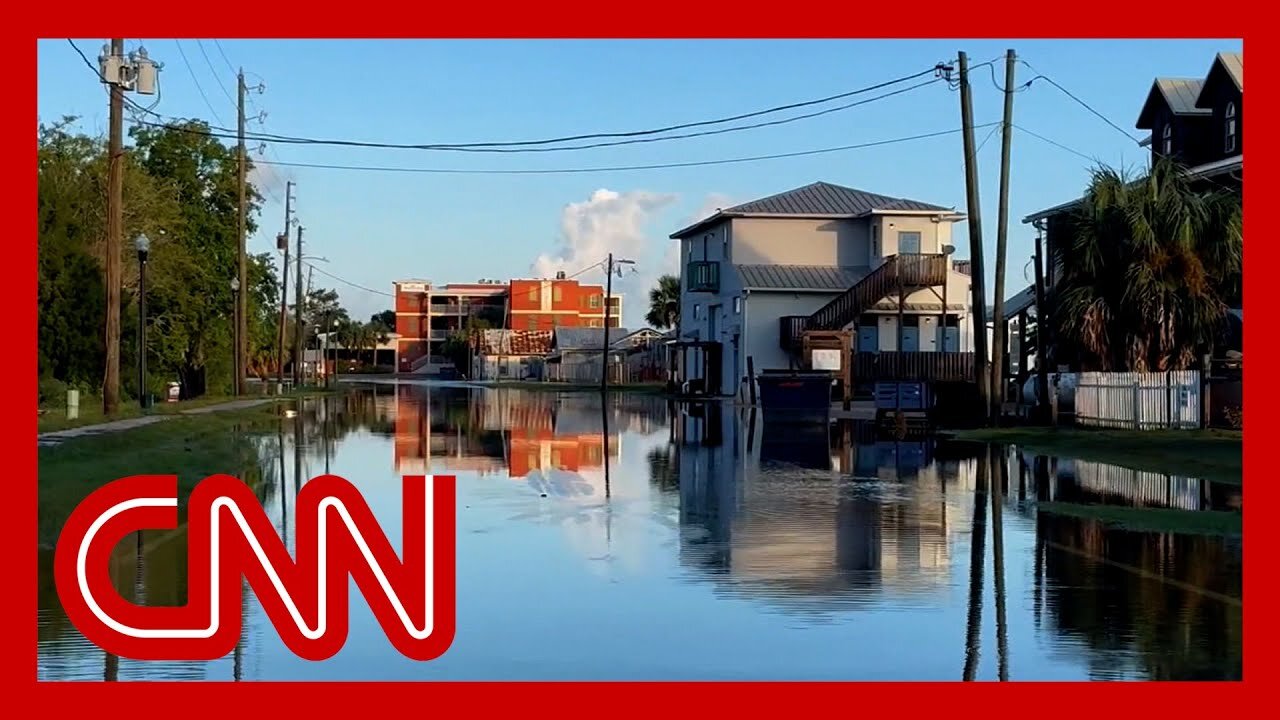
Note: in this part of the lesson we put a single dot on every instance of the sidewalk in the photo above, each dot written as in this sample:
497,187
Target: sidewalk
50,439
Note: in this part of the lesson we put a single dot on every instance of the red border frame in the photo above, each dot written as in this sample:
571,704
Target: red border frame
575,18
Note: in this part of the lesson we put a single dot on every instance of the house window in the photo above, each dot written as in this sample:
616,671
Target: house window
908,243
695,311
725,247
1166,140
594,301
533,323
557,293
737,306
555,321
1230,143
533,295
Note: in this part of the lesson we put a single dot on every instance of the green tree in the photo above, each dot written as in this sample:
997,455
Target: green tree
197,298
1148,267
664,303
385,320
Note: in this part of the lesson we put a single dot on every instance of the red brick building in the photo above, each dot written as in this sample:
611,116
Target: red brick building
426,316
560,302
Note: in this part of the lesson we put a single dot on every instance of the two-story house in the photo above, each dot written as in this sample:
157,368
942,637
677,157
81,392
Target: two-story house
822,256
1196,121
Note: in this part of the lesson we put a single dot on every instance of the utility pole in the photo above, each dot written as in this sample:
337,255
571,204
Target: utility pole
297,315
242,325
608,293
115,228
283,244
979,312
998,333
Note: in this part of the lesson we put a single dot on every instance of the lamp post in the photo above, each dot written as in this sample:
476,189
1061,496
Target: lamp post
608,296
235,317
333,329
143,244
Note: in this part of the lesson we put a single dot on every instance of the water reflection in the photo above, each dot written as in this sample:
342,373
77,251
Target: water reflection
649,540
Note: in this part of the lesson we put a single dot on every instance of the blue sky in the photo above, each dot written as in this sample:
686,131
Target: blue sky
376,227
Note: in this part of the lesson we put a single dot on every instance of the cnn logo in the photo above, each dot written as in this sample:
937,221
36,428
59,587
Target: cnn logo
231,539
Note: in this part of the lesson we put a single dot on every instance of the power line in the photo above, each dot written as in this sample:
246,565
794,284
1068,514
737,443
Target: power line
196,81
621,168
226,133
1085,105
1057,144
345,281
221,85
218,44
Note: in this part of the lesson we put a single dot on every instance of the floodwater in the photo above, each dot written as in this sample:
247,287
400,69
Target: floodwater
652,541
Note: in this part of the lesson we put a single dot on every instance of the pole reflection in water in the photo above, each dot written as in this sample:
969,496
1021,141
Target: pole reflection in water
997,556
977,538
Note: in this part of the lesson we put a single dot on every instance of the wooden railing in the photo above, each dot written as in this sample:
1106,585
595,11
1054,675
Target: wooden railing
791,332
908,272
946,366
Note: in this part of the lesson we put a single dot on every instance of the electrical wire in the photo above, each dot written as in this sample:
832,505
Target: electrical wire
226,133
200,89
623,168
1057,144
221,85
1085,105
347,282
218,44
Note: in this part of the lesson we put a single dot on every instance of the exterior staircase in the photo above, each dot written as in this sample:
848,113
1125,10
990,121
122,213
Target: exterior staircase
899,273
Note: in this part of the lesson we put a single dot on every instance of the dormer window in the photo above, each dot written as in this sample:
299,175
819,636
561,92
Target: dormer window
1166,140
1229,143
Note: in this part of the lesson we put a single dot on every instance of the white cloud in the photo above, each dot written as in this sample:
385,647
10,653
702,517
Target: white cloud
611,222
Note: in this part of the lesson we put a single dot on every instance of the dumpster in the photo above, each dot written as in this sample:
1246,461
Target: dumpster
795,395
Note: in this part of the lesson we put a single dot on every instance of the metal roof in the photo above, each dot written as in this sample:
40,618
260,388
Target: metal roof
822,198
1019,302
1181,94
1233,65
819,199
800,277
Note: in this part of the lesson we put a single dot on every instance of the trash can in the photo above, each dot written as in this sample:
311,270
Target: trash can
173,392
73,404
798,395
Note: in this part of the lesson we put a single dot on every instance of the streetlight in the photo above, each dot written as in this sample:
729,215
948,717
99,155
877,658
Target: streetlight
608,296
235,317
143,244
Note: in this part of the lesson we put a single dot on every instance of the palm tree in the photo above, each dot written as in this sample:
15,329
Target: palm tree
664,303
1148,268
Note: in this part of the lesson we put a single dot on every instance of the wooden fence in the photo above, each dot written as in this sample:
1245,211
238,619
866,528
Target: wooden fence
1140,487
1139,401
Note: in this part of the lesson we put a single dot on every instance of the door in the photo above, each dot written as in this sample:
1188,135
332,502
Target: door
911,338
868,338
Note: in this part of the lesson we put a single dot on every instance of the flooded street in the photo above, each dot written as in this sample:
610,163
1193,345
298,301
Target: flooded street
647,540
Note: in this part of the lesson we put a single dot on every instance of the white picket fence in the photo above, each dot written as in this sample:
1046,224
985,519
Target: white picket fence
1141,487
1139,401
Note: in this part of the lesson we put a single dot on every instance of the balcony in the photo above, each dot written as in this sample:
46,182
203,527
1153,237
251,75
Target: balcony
937,366
703,276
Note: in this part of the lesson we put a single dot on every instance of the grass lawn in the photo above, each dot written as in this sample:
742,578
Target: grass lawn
55,419
1186,522
1216,455
190,446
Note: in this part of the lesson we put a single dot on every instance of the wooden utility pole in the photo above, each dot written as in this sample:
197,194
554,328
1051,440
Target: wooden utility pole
998,340
979,311
115,228
284,281
298,301
608,294
1042,330
242,325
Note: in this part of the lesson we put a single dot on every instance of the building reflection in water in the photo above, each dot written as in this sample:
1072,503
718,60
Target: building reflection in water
820,519
519,434
825,514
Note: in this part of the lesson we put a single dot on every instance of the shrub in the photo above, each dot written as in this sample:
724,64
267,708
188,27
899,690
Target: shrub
53,393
